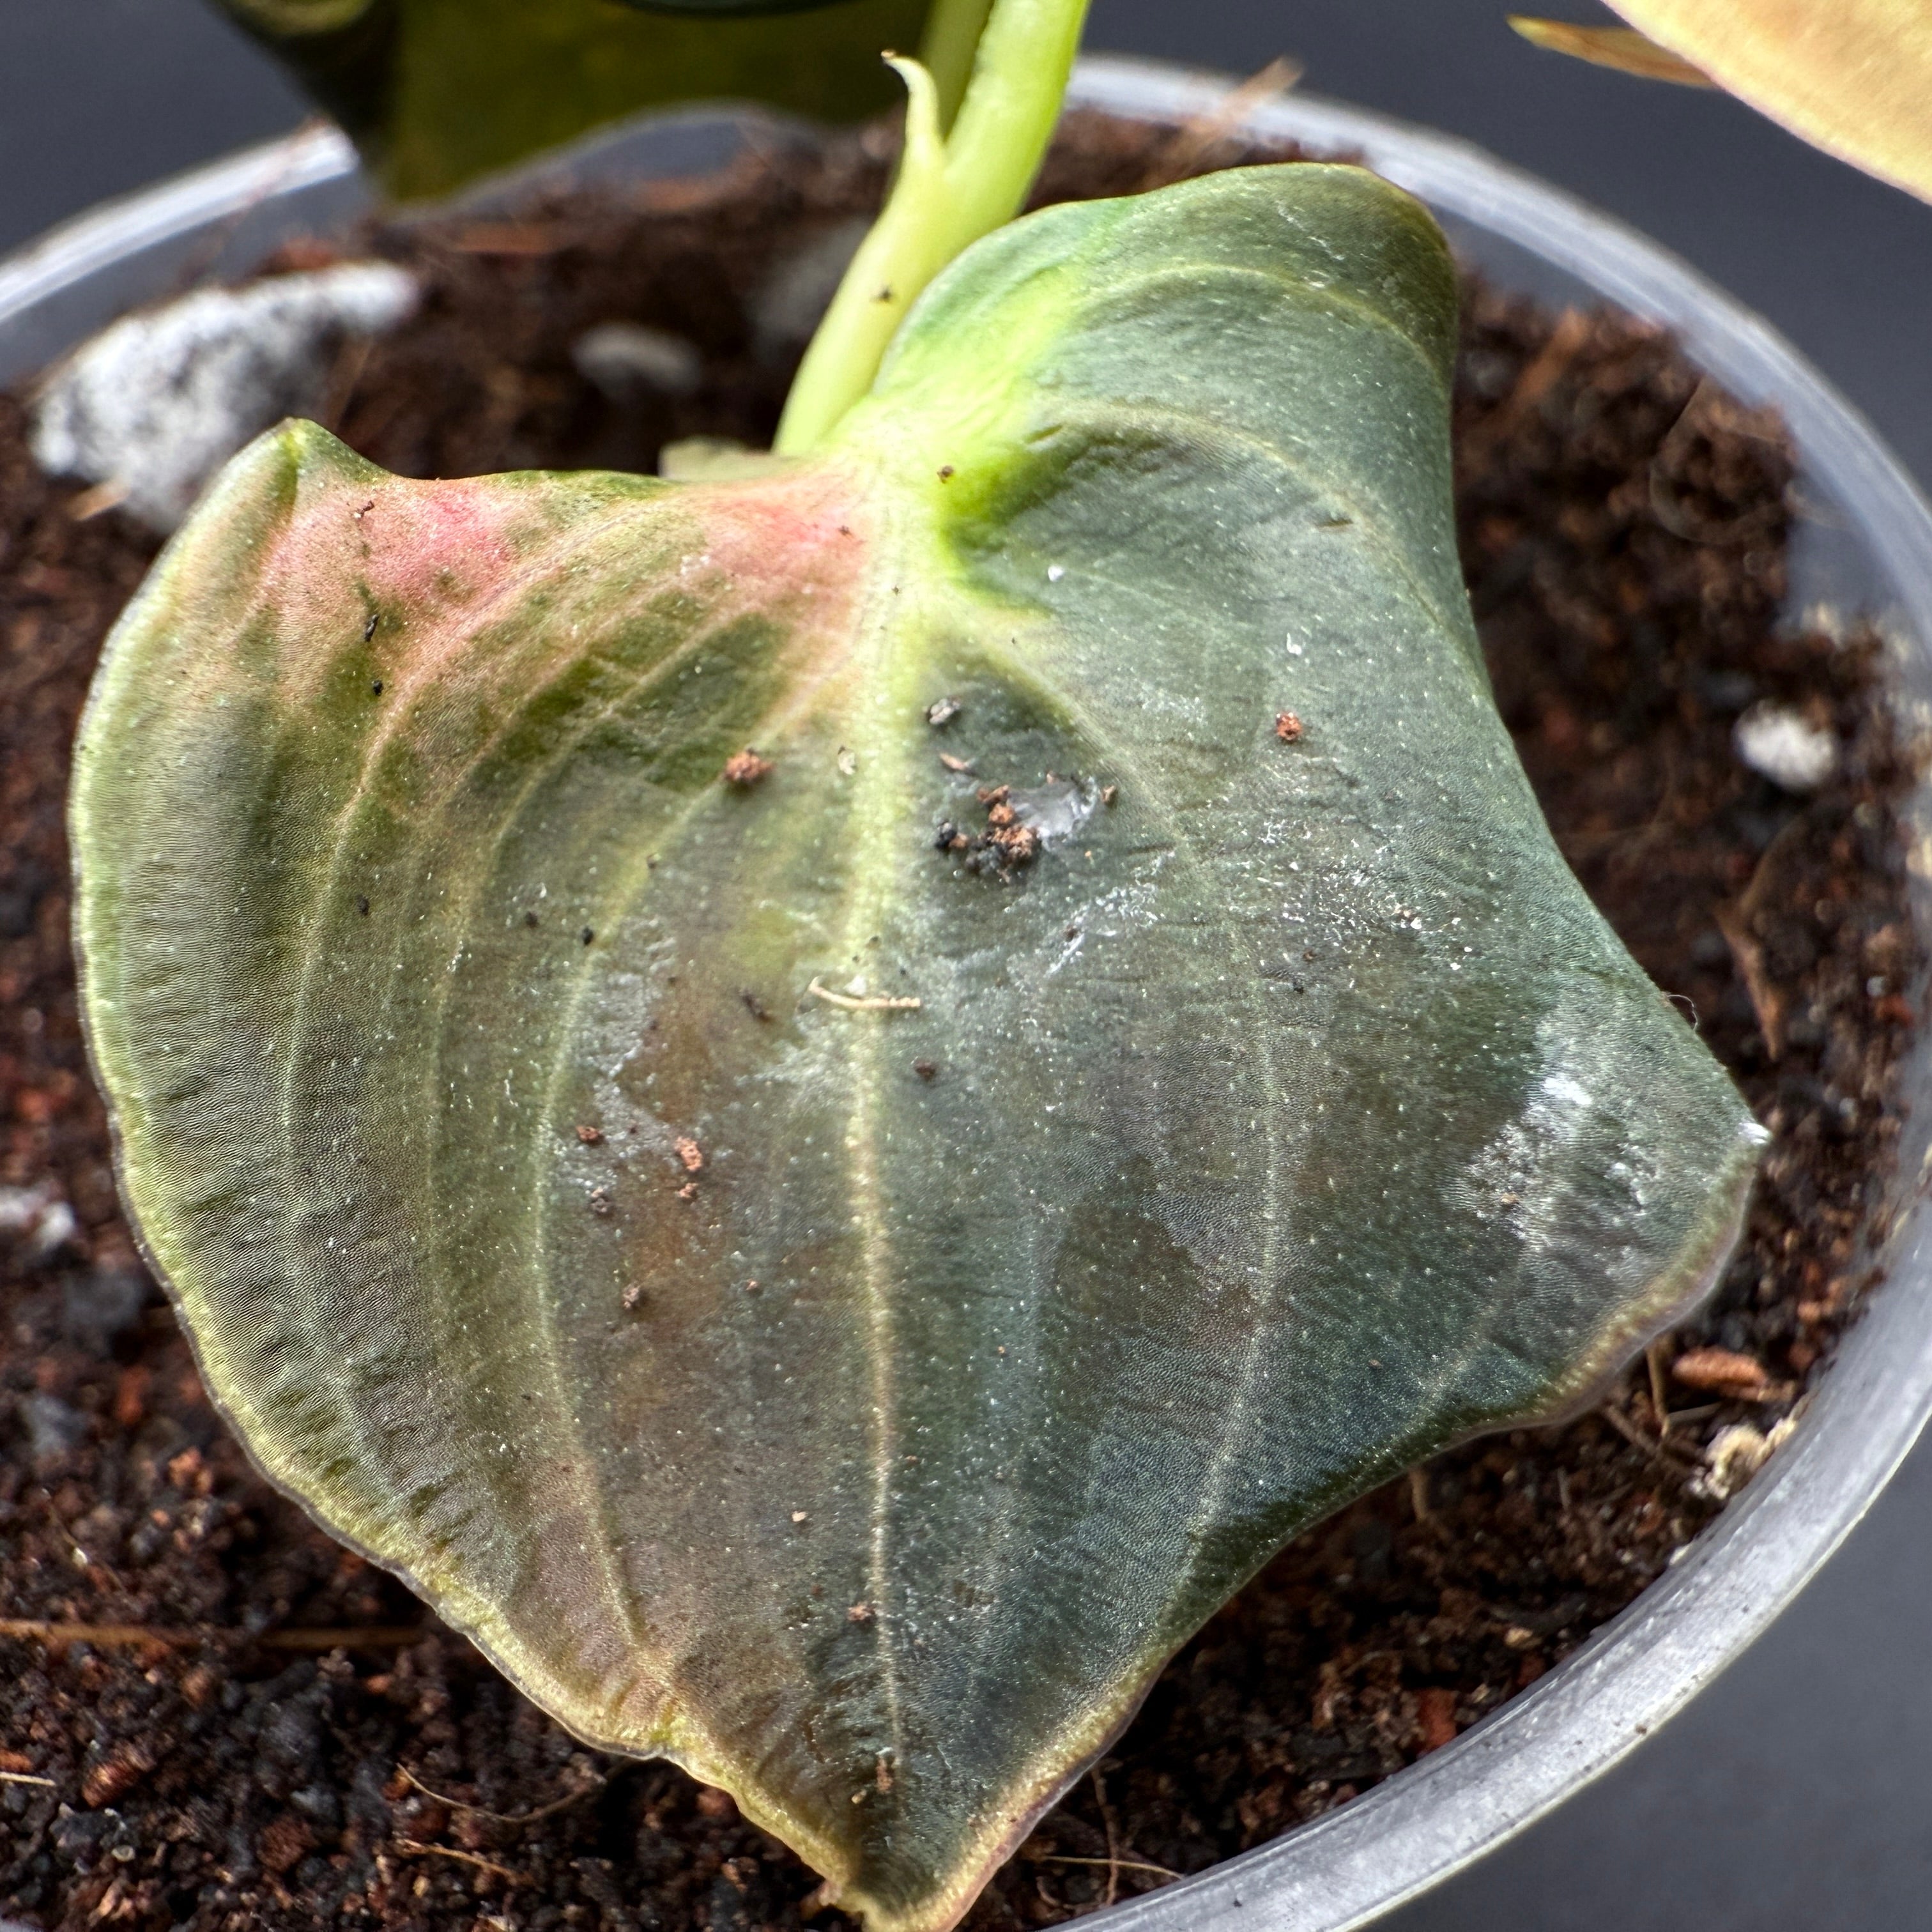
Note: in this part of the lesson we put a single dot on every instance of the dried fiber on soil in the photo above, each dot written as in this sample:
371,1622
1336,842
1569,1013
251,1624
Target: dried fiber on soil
255,1763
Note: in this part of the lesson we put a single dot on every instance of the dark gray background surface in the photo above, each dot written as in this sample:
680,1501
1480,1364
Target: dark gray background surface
1794,1796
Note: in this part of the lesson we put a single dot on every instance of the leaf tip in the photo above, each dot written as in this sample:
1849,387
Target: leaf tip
1621,48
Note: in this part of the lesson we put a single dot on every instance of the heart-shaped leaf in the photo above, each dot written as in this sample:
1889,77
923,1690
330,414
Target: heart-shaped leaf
831,1258
436,91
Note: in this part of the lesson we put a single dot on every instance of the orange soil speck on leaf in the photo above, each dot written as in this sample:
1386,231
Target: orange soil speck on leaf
1014,842
746,768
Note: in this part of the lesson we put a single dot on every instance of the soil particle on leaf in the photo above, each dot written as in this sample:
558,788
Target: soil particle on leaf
1009,839
690,1155
1623,527
1288,728
943,711
745,768
1007,843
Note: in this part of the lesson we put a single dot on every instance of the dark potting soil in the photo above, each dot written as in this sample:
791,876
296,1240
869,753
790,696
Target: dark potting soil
271,1733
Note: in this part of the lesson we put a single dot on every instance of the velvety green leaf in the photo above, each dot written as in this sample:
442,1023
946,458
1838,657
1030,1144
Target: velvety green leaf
858,1397
436,91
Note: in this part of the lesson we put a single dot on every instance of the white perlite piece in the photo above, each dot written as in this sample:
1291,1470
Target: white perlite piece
156,403
1734,1455
1785,746
37,1218
626,360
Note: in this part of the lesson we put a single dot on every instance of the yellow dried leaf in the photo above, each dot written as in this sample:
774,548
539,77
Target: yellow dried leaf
1623,48
1852,76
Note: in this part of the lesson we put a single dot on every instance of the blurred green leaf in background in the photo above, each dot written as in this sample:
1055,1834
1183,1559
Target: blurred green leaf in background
435,92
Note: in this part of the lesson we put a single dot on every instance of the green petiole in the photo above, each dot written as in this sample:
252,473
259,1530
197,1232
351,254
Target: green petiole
945,50
954,185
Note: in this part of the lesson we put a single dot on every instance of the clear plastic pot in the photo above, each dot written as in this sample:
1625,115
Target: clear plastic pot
1863,545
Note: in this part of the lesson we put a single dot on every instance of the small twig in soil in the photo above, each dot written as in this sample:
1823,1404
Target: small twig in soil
1050,1899
351,361
373,1637
1765,1001
1122,1865
28,1777
530,1817
29,1629
1635,1436
1660,1403
1206,132
1703,1413
200,264
1668,511
1538,377
85,505
1629,1431
876,1003
1418,1493
1113,1838
503,1872
511,238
